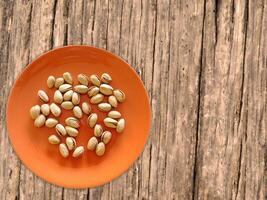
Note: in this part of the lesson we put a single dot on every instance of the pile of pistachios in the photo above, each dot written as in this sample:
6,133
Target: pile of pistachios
67,97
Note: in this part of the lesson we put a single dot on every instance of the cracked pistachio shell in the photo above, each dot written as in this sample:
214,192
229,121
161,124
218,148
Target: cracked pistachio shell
78,152
83,79
71,131
95,80
45,109
55,109
77,112
105,107
65,87
92,119
92,142
58,98
97,98
39,121
86,108
71,143
63,149
114,114
106,89
67,105
59,82
113,101
120,96
35,111
75,98
98,130
106,137
60,129
109,122
51,81
68,95
53,139
106,78
73,122
100,149
93,90
43,96
81,89
120,126
68,77
51,122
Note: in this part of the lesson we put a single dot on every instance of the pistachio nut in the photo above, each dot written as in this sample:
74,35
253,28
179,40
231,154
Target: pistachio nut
53,139
51,122
67,105
81,89
63,150
43,96
98,130
71,131
77,111
106,89
92,142
113,101
58,98
86,108
83,79
68,95
59,82
97,98
95,80
55,109
75,98
104,107
68,78
106,137
35,111
91,120
78,152
93,90
120,96
50,81
60,129
120,126
106,78
100,149
45,109
71,143
111,123
39,121
114,114
65,87
73,122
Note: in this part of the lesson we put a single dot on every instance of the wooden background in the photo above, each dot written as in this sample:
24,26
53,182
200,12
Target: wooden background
204,64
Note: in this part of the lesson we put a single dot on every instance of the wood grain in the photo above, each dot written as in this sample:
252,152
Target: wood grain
204,65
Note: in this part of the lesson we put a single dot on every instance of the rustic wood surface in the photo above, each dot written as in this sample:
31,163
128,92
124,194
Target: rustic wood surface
204,64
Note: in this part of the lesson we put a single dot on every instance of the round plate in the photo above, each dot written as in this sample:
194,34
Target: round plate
31,143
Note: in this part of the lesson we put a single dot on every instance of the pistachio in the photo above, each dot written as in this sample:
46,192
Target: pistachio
98,130
64,88
120,126
86,108
93,90
83,79
111,123
43,96
55,109
68,78
35,111
51,122
100,149
106,78
59,82
114,114
81,89
106,89
63,150
71,143
45,109
113,101
78,152
97,98
120,96
75,98
92,142
73,122
67,105
71,131
104,107
106,137
68,95
77,111
95,80
58,98
39,121
50,81
60,129
53,139
92,119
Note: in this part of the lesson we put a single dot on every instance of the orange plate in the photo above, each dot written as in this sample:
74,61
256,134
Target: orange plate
31,143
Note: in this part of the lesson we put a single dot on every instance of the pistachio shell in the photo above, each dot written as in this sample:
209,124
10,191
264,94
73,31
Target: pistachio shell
92,142
97,99
50,81
77,111
71,131
71,143
51,122
81,89
75,98
55,109
78,152
45,109
100,149
92,119
120,126
59,82
120,96
98,130
39,121
93,90
113,101
86,108
68,95
67,105
73,122
95,80
63,150
43,96
60,129
106,78
58,98
68,77
53,139
106,137
35,111
64,88
83,79
105,107
106,89
111,123
114,114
